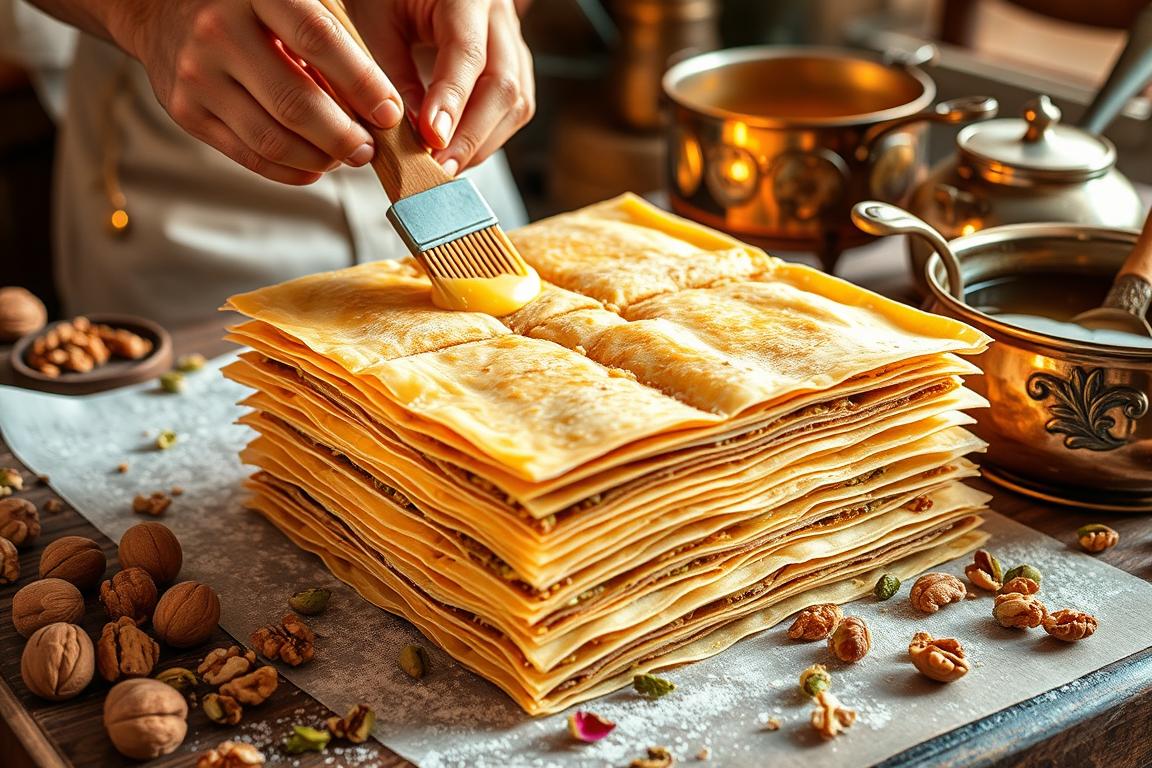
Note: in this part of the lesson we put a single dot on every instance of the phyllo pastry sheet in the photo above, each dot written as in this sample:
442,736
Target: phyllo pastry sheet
679,442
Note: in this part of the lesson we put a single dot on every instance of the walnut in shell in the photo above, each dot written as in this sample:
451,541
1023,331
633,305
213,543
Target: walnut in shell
75,559
1069,625
9,562
45,602
290,641
1018,611
224,664
851,640
57,663
125,650
939,658
830,718
130,593
815,622
253,688
21,313
19,520
153,547
187,614
145,718
932,591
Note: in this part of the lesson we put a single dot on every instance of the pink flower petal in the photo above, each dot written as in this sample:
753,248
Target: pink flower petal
589,727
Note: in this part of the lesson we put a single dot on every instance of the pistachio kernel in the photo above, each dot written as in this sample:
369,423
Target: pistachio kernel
179,678
414,661
814,680
304,739
1096,537
221,709
653,687
190,363
310,602
166,439
354,726
1026,571
172,382
886,586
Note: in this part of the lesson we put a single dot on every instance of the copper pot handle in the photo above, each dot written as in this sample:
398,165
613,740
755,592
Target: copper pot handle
965,109
877,218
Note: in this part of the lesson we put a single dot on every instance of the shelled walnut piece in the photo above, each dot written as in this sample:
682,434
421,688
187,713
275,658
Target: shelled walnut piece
78,346
154,504
939,658
290,641
230,754
1069,625
1018,611
815,622
932,591
224,664
254,688
130,593
9,562
1020,585
19,521
125,650
830,718
851,640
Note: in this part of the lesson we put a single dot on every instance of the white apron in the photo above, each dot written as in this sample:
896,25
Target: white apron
200,226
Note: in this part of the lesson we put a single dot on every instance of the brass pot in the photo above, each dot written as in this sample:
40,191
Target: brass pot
1069,420
776,144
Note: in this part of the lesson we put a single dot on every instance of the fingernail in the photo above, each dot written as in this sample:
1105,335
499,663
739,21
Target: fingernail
442,125
387,113
361,156
451,166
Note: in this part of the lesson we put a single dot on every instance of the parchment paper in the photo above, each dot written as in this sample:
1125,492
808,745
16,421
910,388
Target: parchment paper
452,717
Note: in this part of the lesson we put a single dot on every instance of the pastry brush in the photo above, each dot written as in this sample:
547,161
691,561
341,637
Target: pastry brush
445,222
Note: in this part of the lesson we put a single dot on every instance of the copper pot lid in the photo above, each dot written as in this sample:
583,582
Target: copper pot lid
1037,148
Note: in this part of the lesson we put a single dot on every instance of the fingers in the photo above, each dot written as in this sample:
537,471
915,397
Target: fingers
212,130
503,98
461,32
314,34
264,135
391,45
289,95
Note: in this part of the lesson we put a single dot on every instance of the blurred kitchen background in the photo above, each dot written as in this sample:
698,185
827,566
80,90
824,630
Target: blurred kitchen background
599,127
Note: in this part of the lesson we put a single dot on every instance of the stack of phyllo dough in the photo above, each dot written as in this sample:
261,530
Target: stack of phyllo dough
679,443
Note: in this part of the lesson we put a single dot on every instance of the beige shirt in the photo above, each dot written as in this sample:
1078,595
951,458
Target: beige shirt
200,226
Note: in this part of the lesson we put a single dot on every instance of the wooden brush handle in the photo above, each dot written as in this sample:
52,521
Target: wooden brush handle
401,161
1139,261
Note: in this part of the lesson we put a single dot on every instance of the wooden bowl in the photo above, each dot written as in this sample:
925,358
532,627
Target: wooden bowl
114,373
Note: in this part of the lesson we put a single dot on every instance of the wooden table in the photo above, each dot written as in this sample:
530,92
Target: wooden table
1102,719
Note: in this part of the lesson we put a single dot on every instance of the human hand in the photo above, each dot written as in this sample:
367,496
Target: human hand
229,73
481,89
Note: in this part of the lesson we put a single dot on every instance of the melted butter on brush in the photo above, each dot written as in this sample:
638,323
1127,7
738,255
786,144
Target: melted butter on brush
496,296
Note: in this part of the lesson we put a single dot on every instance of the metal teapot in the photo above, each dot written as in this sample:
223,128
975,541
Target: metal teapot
1011,171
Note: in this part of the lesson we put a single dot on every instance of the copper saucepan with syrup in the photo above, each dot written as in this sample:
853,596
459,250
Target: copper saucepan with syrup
776,144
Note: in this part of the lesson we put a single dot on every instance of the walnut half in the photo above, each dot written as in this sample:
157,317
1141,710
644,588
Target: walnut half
253,688
815,622
1069,625
938,658
1018,611
224,664
291,641
125,650
932,591
230,754
851,640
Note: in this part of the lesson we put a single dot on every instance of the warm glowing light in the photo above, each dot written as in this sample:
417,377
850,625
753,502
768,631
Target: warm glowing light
739,171
967,229
119,219
739,133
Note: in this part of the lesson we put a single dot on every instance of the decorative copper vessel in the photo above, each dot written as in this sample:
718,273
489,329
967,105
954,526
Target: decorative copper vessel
776,144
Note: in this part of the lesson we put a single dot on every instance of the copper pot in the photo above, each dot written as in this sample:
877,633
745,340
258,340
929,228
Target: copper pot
775,145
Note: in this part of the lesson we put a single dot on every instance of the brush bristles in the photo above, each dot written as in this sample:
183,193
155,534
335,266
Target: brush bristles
484,253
